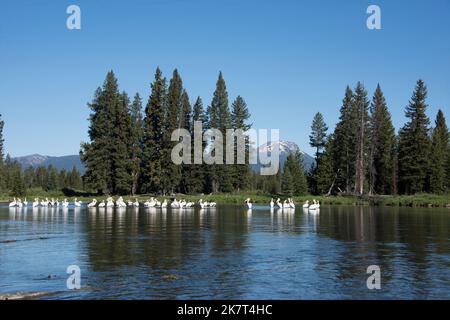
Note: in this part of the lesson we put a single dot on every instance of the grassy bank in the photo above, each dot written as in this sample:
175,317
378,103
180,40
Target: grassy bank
419,200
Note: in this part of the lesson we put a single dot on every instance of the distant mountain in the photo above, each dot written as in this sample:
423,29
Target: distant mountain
286,148
64,162
68,162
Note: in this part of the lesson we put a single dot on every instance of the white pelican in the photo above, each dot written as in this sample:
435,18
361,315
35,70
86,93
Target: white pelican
102,204
109,202
120,203
291,203
35,203
19,203
271,203
315,205
77,203
44,203
13,203
92,204
286,205
249,204
136,203
164,204
175,204
152,202
279,204
202,204
25,202
65,203
212,204
190,204
306,204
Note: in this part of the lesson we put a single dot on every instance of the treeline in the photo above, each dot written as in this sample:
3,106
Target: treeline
364,155
130,148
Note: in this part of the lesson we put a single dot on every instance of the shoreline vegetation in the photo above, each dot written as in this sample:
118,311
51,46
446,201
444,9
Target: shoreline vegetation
419,200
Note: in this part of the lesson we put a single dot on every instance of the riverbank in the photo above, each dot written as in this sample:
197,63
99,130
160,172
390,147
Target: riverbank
419,200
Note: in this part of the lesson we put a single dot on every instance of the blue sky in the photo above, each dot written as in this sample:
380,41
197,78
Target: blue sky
288,59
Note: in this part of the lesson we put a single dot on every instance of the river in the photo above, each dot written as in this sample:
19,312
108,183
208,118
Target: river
226,253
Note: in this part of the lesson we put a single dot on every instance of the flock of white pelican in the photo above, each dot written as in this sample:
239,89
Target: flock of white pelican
288,204
111,203
154,203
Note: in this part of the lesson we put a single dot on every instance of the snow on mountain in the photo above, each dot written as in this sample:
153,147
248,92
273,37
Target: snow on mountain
286,148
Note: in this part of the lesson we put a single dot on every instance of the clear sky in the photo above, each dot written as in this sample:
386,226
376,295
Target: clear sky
288,59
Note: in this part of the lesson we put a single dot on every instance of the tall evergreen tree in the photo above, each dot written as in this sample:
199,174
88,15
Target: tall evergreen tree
439,155
239,121
172,173
96,155
361,106
2,155
318,136
287,181
153,136
298,173
220,118
414,144
325,174
198,172
17,185
135,141
120,155
344,148
382,147
2,151
186,123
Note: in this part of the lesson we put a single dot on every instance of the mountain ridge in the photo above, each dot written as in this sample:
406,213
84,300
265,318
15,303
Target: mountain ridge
69,161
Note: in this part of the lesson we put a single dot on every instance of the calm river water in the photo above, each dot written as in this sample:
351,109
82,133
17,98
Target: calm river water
226,253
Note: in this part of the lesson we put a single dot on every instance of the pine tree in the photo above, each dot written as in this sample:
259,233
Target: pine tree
325,175
135,142
172,173
198,172
120,155
220,118
344,148
186,123
318,136
96,155
317,139
153,136
29,177
362,106
17,184
287,181
74,179
294,165
239,121
2,151
414,144
51,182
2,155
382,147
439,155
